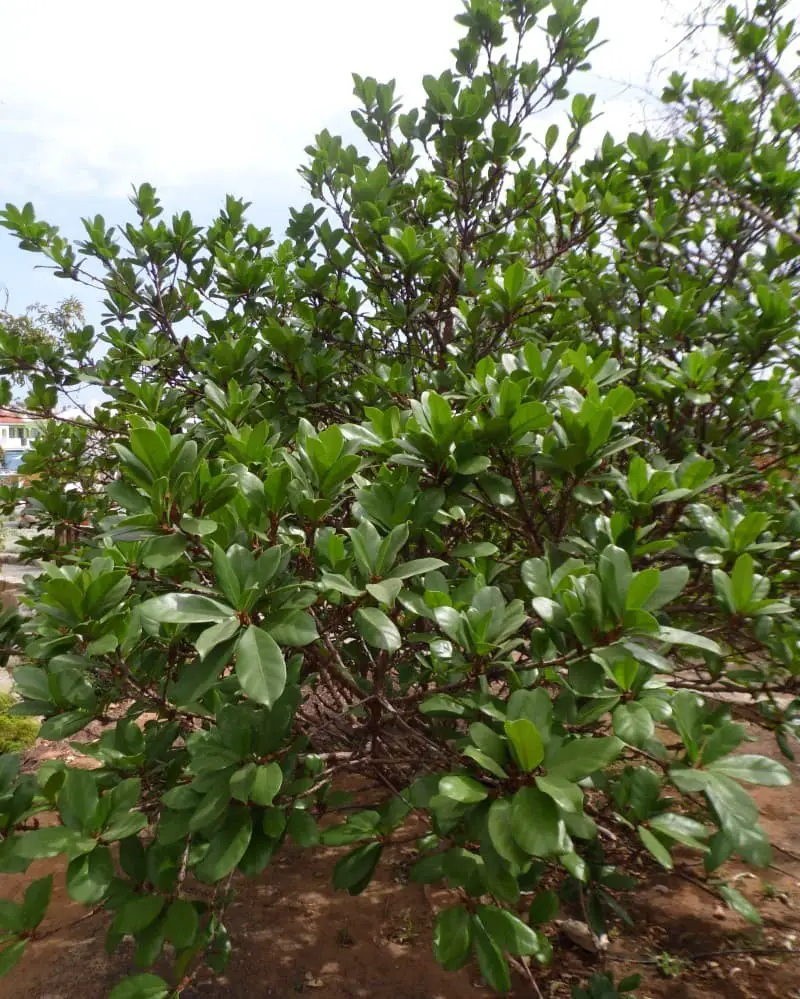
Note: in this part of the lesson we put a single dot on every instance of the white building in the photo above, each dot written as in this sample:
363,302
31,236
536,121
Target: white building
16,434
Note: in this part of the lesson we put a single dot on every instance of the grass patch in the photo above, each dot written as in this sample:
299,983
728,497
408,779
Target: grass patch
16,733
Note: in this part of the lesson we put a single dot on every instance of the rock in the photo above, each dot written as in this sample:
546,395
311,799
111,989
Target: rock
581,934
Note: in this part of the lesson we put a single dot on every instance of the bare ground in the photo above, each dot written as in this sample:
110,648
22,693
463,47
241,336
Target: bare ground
293,934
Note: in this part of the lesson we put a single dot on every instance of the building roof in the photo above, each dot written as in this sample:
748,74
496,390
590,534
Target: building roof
6,417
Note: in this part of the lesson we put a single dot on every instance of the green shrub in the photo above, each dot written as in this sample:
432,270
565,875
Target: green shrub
481,483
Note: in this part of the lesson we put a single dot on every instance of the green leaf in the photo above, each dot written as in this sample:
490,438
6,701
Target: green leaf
687,711
415,568
141,987
681,828
567,795
488,741
501,836
740,904
35,902
753,769
581,757
452,937
508,932
643,585
614,569
123,825
738,813
63,725
467,790
633,723
39,844
535,823
260,666
241,782
671,582
89,877
655,847
266,784
11,955
10,917
544,908
493,965
198,677
162,552
675,636
185,608
377,630
78,799
742,581
354,871
334,581
214,636
526,742
485,761
302,828
181,924
297,628
137,913
385,592
227,847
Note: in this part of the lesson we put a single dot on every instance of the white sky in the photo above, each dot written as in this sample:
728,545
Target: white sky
204,99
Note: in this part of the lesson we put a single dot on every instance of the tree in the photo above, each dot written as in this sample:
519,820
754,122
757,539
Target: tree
480,482
34,337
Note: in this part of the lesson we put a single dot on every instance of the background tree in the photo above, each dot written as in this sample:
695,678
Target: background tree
479,482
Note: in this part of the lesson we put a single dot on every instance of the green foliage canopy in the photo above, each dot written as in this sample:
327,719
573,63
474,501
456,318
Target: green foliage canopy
481,481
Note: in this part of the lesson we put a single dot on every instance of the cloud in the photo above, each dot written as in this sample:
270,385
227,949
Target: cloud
185,93
190,95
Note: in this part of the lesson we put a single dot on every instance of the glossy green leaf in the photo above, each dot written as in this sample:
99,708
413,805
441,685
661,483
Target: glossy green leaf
185,608
466,790
452,937
227,847
655,847
137,914
354,871
535,823
526,743
260,666
378,631
181,923
581,757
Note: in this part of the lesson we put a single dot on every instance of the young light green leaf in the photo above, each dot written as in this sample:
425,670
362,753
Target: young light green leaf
526,742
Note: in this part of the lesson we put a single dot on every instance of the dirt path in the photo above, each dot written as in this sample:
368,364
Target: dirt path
292,934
